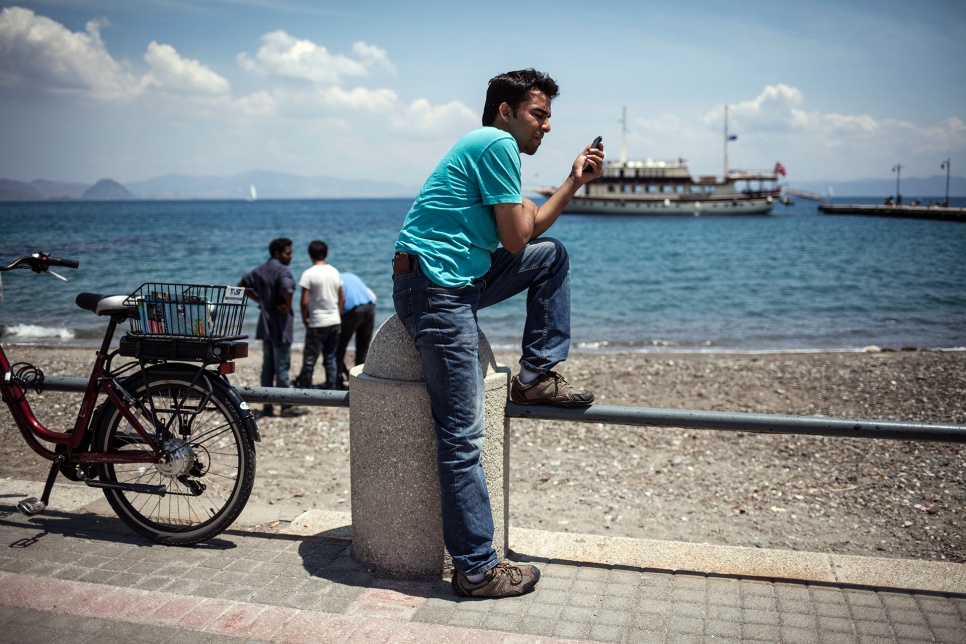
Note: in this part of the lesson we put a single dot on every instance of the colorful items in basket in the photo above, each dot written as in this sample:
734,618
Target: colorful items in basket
189,312
187,316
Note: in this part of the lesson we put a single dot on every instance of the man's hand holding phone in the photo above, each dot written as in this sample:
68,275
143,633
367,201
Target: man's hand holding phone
596,150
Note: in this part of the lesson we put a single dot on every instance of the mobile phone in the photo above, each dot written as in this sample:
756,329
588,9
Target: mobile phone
595,144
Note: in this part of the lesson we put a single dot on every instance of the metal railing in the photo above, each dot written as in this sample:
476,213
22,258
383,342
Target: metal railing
640,416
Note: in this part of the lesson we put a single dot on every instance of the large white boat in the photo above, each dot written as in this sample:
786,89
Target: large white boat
667,188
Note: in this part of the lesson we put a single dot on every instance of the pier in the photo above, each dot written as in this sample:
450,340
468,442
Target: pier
905,212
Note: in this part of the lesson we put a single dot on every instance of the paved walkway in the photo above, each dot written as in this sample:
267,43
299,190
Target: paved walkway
76,574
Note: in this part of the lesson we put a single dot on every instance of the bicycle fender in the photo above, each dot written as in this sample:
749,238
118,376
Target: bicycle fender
218,382
248,418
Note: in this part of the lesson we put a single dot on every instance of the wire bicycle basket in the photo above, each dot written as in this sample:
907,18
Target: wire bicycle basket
187,310
186,322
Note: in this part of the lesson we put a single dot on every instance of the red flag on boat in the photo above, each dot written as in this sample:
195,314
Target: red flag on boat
780,169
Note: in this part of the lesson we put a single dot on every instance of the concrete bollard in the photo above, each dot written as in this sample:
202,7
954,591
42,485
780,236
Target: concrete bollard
397,529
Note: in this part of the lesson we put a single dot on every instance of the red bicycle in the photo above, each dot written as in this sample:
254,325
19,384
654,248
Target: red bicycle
165,435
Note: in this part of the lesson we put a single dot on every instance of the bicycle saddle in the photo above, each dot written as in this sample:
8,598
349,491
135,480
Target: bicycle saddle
102,304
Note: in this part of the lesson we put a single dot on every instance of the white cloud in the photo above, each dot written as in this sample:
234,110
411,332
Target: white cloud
373,56
38,54
776,111
944,137
170,72
41,56
257,104
285,56
775,108
777,124
862,136
359,98
319,103
846,124
421,117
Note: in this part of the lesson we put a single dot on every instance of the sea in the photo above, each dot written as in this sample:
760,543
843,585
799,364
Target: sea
794,281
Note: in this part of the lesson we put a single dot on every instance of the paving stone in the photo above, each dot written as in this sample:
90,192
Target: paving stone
606,633
114,588
722,629
951,635
943,620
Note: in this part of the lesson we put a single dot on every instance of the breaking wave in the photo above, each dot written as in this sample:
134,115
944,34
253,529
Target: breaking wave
28,332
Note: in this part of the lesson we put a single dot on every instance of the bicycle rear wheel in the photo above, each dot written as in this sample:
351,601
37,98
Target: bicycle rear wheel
209,466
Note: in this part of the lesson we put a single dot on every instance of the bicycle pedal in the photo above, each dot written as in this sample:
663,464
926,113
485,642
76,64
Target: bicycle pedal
31,506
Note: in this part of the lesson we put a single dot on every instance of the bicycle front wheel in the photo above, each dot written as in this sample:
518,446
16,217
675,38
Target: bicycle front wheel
208,468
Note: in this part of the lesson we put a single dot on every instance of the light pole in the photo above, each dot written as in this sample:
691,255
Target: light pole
897,168
945,166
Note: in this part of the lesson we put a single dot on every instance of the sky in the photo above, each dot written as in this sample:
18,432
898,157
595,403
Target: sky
834,90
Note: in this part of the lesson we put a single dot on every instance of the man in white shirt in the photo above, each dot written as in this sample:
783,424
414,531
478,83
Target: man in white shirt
322,300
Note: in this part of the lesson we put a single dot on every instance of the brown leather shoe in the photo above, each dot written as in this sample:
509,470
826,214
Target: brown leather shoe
504,580
548,389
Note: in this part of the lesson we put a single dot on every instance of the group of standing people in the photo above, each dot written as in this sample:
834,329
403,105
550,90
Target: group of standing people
334,307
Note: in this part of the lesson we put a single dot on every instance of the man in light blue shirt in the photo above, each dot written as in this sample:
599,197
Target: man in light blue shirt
472,240
358,320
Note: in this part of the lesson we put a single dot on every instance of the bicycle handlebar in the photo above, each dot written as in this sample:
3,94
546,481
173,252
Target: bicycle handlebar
40,262
66,263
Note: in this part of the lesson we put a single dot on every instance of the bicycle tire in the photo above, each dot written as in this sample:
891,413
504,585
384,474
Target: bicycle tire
210,470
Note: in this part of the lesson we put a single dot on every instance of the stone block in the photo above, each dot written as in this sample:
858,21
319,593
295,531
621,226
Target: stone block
396,521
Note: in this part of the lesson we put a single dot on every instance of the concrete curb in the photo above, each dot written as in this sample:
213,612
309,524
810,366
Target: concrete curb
696,558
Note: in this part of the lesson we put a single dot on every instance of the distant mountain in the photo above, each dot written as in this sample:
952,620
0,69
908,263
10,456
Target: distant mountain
39,190
59,189
107,190
269,185
18,191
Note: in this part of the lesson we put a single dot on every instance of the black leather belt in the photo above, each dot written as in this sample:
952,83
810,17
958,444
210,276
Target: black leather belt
405,263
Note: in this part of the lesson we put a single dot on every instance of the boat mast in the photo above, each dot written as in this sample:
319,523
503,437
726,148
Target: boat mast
725,142
623,136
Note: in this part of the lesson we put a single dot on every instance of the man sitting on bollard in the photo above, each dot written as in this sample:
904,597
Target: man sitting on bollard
449,264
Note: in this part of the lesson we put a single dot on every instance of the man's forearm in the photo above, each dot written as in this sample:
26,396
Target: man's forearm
549,210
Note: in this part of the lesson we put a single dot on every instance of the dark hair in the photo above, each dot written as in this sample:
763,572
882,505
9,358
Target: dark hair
513,88
318,250
278,245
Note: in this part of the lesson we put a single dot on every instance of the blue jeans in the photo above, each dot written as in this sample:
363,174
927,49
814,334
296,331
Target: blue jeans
443,324
276,359
322,340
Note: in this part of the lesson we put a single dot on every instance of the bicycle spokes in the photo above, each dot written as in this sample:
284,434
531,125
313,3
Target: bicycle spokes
206,463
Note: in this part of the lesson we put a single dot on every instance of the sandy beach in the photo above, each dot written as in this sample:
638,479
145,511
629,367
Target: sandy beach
898,499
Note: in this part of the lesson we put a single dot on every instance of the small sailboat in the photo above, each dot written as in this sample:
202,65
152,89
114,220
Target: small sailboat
252,195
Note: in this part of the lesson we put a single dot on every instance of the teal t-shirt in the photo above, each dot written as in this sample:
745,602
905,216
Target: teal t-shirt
451,225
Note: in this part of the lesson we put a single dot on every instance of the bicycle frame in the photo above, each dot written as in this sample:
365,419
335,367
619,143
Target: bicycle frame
196,444
100,381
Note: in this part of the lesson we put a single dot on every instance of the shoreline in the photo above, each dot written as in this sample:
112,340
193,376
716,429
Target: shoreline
795,492
574,349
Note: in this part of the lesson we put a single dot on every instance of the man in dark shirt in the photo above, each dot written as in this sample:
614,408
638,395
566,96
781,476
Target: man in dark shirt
271,286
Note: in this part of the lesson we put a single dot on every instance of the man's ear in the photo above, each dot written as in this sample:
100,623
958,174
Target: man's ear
505,112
